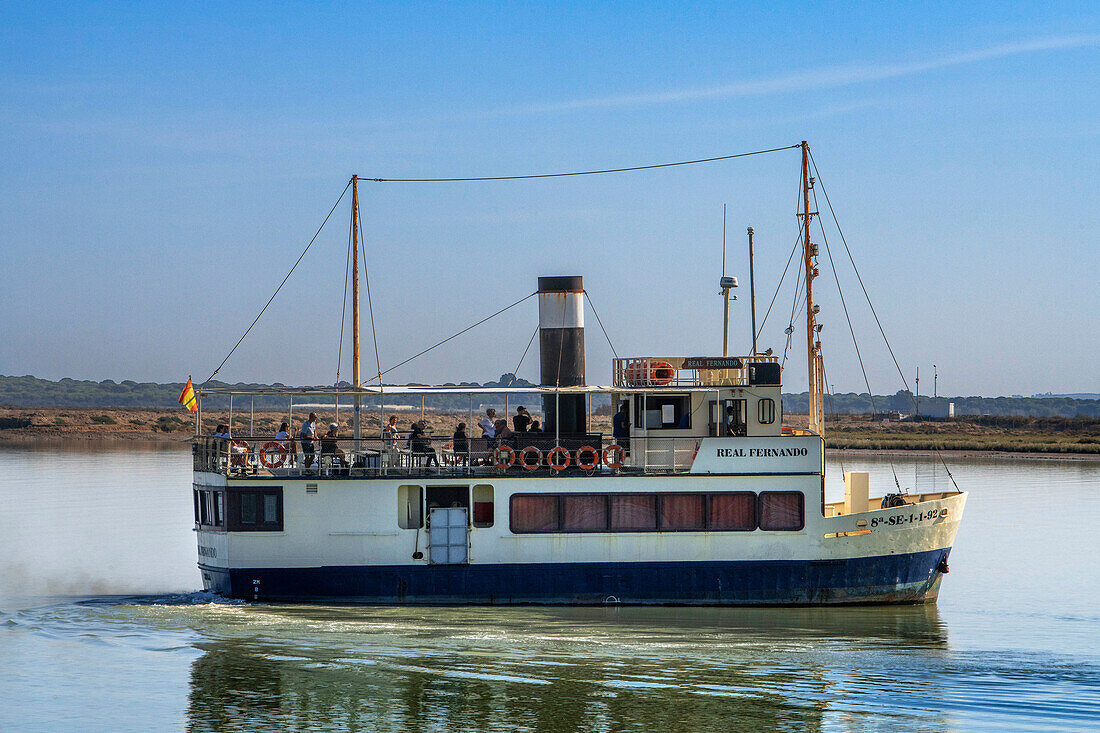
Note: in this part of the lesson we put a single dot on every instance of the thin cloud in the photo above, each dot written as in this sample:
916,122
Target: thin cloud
811,79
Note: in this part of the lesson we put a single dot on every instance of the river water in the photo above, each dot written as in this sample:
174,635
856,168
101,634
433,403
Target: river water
101,627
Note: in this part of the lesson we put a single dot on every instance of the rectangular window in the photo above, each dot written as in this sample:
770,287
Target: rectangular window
766,411
663,412
483,505
781,510
733,511
633,512
584,513
535,513
254,510
219,508
683,512
209,507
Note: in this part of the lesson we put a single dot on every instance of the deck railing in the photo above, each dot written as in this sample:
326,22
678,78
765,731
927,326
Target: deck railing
530,454
679,371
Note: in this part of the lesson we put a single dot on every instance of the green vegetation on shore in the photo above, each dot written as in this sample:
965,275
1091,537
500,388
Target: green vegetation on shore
1013,434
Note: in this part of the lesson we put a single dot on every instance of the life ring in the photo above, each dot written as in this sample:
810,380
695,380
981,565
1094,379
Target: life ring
527,464
500,452
558,451
273,446
661,373
595,457
609,451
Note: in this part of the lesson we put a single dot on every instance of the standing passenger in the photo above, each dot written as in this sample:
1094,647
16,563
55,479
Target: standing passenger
307,434
521,420
488,424
620,429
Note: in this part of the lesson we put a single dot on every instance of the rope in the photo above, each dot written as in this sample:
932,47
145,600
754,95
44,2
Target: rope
370,304
515,374
272,298
344,310
449,338
601,325
866,295
579,173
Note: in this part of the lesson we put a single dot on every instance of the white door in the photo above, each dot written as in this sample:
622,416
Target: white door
448,536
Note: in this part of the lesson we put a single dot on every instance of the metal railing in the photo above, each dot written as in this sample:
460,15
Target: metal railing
679,371
524,454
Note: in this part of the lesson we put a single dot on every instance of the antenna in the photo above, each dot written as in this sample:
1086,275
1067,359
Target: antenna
723,240
752,294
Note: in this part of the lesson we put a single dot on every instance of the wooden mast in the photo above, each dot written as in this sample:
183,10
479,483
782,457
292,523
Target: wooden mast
355,301
813,346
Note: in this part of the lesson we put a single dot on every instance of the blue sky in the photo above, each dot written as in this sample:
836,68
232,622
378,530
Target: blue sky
162,166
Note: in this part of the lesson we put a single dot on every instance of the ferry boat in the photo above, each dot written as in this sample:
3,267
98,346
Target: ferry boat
699,497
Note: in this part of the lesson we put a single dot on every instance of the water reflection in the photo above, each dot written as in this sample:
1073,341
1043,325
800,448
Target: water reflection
344,668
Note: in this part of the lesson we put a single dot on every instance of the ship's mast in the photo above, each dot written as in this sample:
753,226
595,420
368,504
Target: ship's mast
813,346
355,301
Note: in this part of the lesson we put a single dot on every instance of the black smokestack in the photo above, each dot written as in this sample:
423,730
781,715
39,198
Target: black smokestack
561,346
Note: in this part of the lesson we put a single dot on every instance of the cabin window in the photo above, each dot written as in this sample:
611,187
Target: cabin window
733,511
209,508
781,510
683,512
584,513
633,512
663,412
255,510
483,505
410,502
766,411
537,513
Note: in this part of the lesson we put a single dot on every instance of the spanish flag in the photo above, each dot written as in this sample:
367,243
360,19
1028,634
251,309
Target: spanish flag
187,397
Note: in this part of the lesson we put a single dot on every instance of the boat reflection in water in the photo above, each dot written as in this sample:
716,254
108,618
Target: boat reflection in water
346,668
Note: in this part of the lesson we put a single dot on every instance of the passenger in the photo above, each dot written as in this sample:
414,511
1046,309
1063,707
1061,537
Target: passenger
735,426
488,424
503,435
220,431
307,435
284,439
389,433
421,444
536,427
521,421
282,434
460,443
330,447
620,429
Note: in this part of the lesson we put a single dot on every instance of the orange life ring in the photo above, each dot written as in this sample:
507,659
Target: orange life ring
661,373
607,452
523,458
595,457
558,451
498,456
273,446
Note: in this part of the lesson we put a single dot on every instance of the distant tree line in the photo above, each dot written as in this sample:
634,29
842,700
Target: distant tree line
902,402
30,391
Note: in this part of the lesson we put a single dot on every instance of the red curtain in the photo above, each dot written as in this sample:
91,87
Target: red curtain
534,513
733,511
584,513
632,511
780,510
682,511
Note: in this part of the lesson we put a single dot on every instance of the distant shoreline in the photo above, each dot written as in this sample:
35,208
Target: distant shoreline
46,425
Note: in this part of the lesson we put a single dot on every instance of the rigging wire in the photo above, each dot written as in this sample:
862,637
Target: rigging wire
272,298
580,173
344,310
586,297
905,382
453,336
781,277
515,374
370,304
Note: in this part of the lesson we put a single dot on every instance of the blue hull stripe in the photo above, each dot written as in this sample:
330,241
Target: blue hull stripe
905,578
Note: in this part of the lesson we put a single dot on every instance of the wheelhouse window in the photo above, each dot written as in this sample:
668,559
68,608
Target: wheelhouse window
662,412
766,411
781,510
255,510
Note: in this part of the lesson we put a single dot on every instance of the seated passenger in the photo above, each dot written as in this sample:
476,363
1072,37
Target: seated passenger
488,424
329,446
460,443
503,435
536,427
421,444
